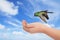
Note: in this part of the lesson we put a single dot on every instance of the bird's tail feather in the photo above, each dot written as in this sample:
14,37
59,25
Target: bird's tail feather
49,12
43,18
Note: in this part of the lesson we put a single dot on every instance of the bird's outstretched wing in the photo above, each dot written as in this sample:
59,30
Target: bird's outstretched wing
43,18
46,16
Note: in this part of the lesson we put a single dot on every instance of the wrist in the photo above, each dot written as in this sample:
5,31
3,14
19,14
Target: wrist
45,29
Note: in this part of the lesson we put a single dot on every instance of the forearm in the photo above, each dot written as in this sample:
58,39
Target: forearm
53,33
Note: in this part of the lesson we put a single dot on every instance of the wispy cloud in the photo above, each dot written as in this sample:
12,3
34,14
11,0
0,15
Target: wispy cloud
21,36
13,22
2,26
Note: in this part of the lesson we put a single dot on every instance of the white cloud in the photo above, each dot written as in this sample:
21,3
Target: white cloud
16,33
14,24
19,3
2,26
5,35
14,20
11,23
39,36
19,22
21,35
8,7
13,34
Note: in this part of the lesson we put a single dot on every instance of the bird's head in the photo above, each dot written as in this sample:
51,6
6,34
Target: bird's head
36,14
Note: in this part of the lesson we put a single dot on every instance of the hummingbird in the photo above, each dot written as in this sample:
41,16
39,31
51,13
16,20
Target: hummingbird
43,15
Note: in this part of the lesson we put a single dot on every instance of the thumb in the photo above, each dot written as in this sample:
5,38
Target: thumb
24,23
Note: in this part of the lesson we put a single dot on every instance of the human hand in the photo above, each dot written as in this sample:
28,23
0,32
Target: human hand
38,27
33,27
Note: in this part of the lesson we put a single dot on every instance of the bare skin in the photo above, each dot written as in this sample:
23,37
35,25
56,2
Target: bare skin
41,28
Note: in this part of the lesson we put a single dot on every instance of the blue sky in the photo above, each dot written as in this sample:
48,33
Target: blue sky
12,12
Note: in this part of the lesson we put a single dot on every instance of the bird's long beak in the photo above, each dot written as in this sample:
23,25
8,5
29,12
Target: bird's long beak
34,14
